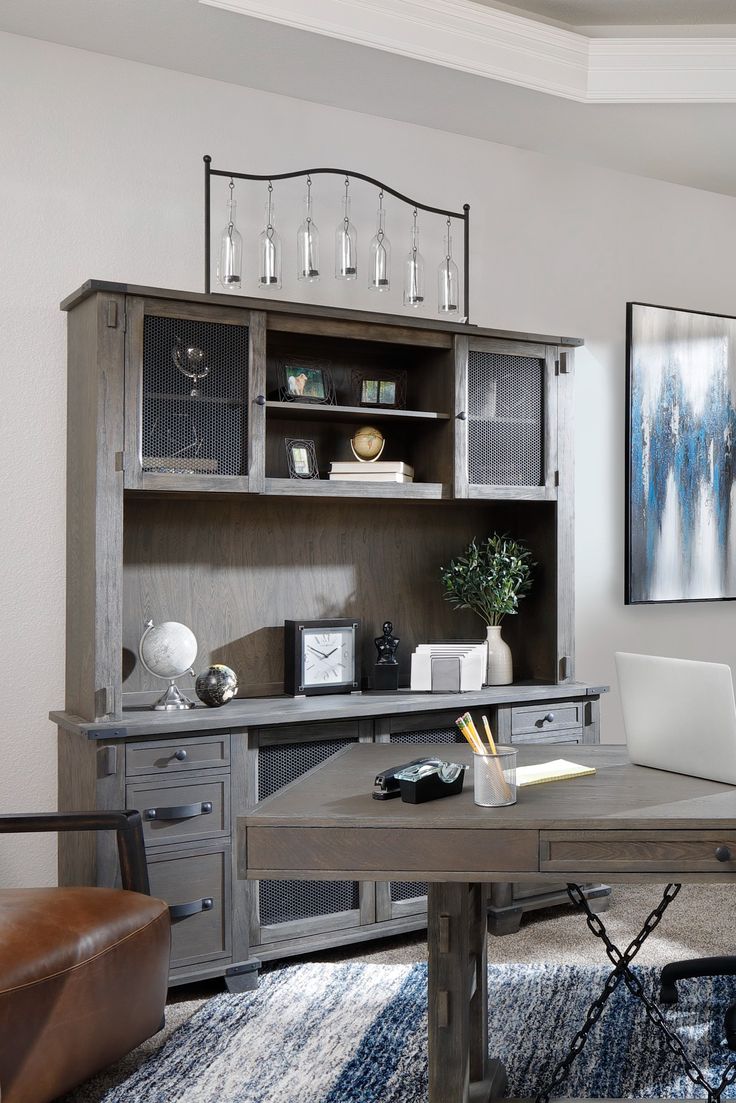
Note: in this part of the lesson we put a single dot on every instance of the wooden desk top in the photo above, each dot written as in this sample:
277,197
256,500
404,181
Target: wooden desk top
625,822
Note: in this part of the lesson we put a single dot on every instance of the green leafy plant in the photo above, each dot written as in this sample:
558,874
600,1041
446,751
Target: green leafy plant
489,578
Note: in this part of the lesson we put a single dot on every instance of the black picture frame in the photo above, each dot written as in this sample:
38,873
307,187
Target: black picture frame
293,656
303,379
673,435
383,388
301,457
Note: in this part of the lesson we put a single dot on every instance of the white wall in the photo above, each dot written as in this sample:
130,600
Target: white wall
101,177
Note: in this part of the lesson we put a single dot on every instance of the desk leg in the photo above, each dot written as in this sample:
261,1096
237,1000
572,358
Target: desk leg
459,1068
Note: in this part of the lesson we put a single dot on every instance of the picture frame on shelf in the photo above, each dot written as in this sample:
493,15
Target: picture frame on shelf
304,380
380,389
301,458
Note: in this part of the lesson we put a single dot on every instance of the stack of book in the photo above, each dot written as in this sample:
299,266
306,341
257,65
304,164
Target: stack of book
374,471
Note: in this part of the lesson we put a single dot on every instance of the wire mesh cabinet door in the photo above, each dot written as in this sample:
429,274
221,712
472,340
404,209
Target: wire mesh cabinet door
507,417
193,374
290,917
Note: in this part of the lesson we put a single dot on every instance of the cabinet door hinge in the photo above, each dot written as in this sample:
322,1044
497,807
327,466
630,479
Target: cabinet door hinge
125,321
107,761
112,314
565,667
120,461
557,478
565,364
105,701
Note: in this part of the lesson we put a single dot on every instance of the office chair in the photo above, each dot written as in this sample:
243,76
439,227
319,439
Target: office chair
700,967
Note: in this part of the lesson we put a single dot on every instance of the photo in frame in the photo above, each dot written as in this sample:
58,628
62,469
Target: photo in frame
305,380
681,464
380,388
301,457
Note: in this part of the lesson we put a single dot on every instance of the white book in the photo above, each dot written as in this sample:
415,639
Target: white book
370,477
397,466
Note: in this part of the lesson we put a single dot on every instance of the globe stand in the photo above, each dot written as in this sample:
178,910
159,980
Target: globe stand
172,699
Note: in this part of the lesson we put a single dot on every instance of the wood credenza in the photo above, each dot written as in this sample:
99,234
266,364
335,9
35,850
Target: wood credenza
192,774
180,507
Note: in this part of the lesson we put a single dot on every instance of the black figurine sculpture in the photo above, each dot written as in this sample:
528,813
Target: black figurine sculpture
387,665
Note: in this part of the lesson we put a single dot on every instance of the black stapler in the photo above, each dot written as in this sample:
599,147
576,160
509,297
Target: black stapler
387,785
419,781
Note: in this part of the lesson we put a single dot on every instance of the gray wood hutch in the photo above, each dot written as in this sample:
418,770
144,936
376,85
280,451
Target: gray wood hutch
180,508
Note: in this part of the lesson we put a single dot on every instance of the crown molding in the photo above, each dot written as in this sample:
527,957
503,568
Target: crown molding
500,45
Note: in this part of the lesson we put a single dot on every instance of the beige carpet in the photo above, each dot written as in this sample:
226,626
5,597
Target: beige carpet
698,923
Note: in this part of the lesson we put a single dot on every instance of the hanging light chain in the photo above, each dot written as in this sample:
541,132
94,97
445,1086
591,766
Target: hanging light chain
414,236
269,219
309,201
346,220
448,256
381,234
231,223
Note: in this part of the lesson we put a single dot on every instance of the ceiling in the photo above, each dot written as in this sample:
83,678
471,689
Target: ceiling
590,14
689,144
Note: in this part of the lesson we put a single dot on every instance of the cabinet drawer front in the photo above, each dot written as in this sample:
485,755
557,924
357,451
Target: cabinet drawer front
180,810
565,735
173,756
551,717
197,884
636,851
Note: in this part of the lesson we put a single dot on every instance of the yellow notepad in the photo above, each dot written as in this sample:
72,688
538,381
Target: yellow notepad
559,770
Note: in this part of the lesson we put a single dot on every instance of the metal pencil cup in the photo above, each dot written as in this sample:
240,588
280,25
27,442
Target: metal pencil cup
494,778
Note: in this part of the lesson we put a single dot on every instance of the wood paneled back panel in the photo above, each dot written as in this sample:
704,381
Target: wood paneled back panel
235,570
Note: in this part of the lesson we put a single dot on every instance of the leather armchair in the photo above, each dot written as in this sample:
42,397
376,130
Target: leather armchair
83,971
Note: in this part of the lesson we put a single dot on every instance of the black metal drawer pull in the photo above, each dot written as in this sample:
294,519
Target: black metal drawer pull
549,717
723,854
179,811
181,911
181,755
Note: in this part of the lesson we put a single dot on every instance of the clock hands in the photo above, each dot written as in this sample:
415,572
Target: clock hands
322,654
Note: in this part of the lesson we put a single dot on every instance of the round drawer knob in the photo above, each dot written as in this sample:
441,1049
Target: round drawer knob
206,807
549,717
260,400
723,854
462,416
208,904
181,755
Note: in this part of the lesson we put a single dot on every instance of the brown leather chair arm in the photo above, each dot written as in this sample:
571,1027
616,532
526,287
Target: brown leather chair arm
127,824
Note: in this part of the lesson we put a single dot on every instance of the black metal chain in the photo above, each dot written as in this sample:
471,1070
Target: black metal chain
622,972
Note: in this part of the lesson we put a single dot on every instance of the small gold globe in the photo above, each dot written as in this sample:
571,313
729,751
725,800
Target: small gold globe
368,442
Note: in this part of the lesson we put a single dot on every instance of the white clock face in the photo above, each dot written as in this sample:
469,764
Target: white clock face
327,656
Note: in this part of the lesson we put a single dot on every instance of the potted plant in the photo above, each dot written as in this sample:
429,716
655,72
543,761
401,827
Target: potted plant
490,579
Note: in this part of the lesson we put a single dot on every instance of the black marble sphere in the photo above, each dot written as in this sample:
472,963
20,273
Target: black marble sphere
216,685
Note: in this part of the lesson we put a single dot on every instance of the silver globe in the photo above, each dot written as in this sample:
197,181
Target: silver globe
168,650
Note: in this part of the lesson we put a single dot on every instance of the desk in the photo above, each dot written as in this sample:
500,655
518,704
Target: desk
625,823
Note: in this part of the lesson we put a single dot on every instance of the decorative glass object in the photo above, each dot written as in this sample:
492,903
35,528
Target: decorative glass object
307,242
447,279
380,253
269,249
346,242
230,256
414,270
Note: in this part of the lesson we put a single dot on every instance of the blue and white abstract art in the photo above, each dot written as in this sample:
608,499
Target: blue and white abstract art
681,464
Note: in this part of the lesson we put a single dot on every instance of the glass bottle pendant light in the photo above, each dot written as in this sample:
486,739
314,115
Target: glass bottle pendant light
346,242
447,279
230,256
269,249
380,253
307,242
414,270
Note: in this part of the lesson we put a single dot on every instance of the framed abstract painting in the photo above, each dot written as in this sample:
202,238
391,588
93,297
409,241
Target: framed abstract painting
681,465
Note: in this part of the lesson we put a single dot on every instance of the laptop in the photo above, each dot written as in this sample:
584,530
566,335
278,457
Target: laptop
679,715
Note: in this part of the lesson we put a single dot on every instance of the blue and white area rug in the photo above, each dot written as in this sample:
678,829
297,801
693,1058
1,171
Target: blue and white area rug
358,1034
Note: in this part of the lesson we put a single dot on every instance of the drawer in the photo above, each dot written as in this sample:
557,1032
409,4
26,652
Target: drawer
173,756
566,735
553,716
635,851
178,809
196,883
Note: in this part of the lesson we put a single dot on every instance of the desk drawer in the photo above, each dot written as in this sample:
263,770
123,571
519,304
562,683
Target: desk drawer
552,717
180,809
195,883
175,756
635,851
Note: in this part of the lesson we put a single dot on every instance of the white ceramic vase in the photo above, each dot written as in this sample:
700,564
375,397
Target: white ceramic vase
499,666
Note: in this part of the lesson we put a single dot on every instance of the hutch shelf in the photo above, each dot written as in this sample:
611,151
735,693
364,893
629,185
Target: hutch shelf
180,508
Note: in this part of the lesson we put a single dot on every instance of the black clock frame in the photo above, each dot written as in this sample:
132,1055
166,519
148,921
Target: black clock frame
293,656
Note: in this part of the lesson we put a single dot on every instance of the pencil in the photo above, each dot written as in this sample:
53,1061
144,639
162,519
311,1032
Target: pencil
489,736
465,730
